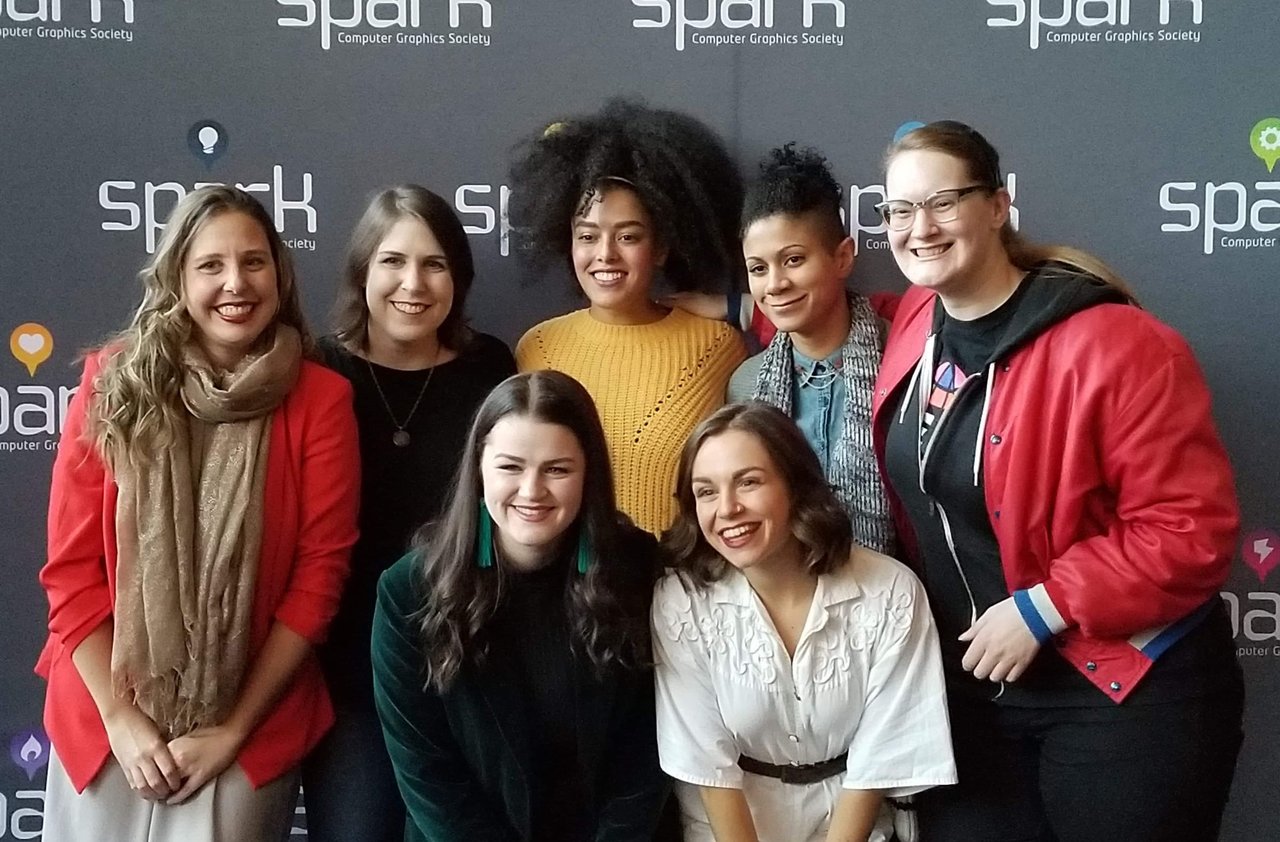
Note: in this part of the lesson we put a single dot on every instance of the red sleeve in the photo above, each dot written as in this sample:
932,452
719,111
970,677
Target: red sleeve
885,304
74,575
763,329
1170,545
329,499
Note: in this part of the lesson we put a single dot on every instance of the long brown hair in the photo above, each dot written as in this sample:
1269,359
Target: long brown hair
818,521
137,400
966,144
607,606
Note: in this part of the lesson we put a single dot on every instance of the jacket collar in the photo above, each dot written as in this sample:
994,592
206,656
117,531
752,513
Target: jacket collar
905,344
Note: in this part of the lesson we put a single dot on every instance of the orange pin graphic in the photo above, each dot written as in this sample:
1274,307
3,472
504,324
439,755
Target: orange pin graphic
31,344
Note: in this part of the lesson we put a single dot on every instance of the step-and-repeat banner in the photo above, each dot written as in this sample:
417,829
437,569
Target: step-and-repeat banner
1146,131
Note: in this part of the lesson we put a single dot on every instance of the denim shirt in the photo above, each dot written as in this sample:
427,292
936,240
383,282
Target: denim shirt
818,401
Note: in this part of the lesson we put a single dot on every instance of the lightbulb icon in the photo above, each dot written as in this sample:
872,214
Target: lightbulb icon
208,137
207,140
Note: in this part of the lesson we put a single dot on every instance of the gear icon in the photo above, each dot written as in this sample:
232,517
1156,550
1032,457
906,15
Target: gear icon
1269,137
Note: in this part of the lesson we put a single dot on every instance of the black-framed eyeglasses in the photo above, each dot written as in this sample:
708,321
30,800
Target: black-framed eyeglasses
943,206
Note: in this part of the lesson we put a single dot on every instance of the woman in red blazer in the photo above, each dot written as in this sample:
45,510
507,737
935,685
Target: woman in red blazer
201,514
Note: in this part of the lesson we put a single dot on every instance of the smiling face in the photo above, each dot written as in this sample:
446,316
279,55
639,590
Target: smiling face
615,254
952,258
229,286
797,275
533,474
742,502
408,290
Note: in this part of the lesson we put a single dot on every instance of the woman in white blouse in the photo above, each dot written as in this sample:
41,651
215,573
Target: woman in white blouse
799,680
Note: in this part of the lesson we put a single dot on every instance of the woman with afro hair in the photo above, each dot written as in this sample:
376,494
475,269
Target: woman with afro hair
622,195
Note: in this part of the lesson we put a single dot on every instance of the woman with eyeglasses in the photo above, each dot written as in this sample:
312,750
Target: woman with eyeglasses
1059,481
511,645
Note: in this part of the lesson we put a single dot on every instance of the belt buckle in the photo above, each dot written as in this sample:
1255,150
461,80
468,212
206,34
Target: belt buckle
794,774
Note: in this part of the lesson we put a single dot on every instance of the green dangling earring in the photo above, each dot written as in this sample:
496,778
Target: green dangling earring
484,539
584,552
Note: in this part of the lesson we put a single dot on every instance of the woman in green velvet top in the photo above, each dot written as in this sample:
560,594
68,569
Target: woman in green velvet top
510,647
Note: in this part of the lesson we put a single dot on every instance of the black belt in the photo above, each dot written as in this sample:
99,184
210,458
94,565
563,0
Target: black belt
795,773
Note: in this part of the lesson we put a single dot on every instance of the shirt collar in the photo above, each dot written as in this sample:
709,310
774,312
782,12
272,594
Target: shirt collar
833,588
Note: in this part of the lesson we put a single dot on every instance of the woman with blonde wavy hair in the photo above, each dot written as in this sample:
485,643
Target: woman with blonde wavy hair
1058,479
201,514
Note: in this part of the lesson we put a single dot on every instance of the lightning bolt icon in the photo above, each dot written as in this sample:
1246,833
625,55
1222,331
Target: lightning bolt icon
1262,547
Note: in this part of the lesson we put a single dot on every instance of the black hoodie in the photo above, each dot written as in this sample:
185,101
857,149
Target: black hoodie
959,557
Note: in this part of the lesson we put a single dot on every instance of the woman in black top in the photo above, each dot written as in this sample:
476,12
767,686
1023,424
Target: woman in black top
510,647
418,373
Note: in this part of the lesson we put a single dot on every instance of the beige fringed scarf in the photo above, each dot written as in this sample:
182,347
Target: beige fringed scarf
188,534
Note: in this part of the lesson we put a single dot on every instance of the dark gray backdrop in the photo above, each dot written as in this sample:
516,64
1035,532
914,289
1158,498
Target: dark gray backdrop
1125,126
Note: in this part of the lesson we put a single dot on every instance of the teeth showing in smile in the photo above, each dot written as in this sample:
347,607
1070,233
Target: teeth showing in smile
408,308
931,251
233,310
607,277
735,532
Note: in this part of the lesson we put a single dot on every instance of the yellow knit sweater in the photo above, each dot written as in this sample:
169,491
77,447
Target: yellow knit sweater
652,384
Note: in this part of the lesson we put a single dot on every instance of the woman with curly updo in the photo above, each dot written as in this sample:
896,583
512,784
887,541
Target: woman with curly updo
201,515
820,368
511,646
798,675
621,196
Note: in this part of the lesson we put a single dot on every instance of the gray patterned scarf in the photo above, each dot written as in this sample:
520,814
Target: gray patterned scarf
852,468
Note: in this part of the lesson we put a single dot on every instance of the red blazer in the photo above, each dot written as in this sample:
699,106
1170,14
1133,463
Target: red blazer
1110,493
310,507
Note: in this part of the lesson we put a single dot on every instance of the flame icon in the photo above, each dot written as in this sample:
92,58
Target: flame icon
29,751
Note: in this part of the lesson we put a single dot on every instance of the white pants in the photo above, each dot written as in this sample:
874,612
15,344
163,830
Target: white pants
227,809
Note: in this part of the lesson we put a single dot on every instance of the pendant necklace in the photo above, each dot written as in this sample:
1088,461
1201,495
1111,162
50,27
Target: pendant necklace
401,438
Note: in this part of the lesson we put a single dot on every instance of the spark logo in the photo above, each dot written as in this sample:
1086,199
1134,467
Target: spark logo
1097,21
692,17
402,15
43,20
144,210
1231,206
50,11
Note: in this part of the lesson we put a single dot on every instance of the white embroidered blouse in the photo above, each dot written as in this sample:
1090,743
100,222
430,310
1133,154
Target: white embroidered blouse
866,679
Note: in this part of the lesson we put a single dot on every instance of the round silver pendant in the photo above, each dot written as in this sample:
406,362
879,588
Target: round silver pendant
400,438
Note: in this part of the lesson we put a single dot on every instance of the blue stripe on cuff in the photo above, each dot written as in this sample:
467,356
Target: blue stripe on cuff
1032,617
